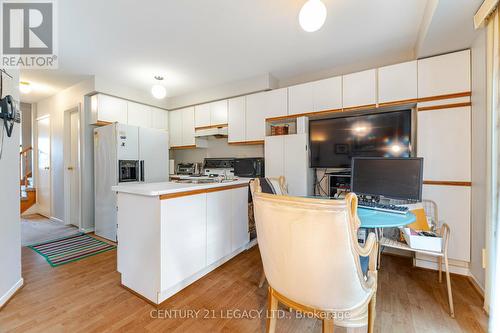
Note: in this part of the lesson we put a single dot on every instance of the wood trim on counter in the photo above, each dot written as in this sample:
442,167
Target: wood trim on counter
255,142
447,96
184,147
200,191
211,126
444,106
397,103
446,183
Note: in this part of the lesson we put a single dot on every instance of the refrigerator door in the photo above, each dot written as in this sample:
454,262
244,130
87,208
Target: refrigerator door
105,176
128,142
153,151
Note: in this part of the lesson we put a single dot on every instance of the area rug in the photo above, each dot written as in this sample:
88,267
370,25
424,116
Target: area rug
71,248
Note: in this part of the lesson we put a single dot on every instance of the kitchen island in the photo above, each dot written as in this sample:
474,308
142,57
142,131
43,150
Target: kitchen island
171,234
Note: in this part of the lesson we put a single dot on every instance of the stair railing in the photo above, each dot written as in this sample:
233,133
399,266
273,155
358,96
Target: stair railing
24,165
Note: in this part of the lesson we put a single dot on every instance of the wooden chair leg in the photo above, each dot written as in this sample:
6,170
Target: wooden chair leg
440,269
328,325
371,313
262,279
272,307
448,285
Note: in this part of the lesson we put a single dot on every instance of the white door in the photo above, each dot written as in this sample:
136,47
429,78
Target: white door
240,236
128,142
236,119
274,156
296,164
43,155
153,154
73,169
218,112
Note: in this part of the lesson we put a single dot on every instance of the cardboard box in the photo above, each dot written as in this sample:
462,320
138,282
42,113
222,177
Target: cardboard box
426,243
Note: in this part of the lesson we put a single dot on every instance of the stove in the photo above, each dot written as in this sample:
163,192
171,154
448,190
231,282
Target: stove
215,167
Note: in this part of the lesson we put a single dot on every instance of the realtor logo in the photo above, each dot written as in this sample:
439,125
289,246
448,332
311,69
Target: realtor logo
28,32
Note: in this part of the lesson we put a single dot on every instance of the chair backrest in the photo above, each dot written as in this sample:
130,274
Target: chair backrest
276,185
307,248
431,211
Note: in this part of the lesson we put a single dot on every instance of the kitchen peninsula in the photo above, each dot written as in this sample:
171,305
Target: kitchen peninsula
171,234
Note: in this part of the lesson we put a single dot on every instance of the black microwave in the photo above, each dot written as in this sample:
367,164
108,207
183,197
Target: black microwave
252,167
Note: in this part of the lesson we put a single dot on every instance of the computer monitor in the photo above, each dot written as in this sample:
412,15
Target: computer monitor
393,178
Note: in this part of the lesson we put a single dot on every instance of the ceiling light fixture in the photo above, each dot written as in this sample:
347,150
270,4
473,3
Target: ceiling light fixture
24,87
312,16
158,90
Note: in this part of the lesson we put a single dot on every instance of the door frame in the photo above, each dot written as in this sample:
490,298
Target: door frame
35,163
66,161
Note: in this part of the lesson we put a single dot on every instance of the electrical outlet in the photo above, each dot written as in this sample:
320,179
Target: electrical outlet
484,258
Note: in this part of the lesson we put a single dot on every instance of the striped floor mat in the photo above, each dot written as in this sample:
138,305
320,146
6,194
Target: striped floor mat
72,248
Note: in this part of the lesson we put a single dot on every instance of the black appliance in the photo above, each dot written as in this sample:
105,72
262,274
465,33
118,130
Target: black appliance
252,167
335,141
128,171
392,178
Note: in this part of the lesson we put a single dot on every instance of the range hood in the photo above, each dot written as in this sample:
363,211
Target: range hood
218,132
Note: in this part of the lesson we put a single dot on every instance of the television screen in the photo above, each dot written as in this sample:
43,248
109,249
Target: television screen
334,142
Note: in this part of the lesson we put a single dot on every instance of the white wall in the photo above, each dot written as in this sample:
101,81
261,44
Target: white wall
10,227
479,160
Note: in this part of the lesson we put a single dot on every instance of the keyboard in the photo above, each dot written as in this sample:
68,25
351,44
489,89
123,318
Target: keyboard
383,207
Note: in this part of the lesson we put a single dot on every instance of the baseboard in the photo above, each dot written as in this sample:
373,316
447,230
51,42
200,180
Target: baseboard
86,230
460,270
12,291
56,219
476,285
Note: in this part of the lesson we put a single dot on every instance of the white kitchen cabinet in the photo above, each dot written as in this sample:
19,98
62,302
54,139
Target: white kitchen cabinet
108,109
159,118
175,127
261,106
236,128
300,99
219,220
188,138
202,115
218,113
359,89
287,155
184,238
454,208
139,115
239,210
444,141
315,96
446,74
397,82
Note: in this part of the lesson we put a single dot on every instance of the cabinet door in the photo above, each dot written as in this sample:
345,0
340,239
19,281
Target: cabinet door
218,113
111,109
454,208
188,138
202,115
159,118
327,94
219,217
236,119
240,236
296,164
300,98
397,82
175,127
139,115
445,74
254,117
359,89
276,103
444,141
274,156
184,238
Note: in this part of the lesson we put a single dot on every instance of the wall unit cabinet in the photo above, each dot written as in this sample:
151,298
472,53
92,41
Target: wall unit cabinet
139,115
288,155
175,128
359,89
211,114
263,105
159,118
188,138
446,74
202,115
236,119
315,96
108,109
397,82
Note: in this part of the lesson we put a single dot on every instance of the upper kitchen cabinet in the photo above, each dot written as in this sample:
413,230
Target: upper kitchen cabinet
139,115
444,75
108,109
175,127
188,138
261,106
359,89
159,118
315,96
397,83
202,115
236,129
218,113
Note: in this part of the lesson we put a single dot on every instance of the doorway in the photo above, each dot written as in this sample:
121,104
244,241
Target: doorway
72,181
43,171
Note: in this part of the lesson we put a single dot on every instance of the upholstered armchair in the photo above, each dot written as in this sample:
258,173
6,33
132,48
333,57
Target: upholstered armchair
310,253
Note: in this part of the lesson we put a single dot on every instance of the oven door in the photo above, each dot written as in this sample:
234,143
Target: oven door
245,167
128,171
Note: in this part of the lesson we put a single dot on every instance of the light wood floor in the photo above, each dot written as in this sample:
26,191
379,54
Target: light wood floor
85,296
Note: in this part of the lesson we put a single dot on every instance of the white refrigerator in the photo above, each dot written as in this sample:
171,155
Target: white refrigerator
125,154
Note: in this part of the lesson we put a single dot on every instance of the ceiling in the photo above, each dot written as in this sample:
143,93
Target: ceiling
200,44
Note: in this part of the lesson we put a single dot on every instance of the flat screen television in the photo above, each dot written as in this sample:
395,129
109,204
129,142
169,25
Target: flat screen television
335,141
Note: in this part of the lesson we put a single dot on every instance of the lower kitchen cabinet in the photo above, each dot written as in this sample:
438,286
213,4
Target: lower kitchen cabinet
218,225
239,218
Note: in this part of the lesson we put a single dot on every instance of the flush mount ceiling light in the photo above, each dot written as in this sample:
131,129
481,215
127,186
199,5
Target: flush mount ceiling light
158,90
312,16
24,87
